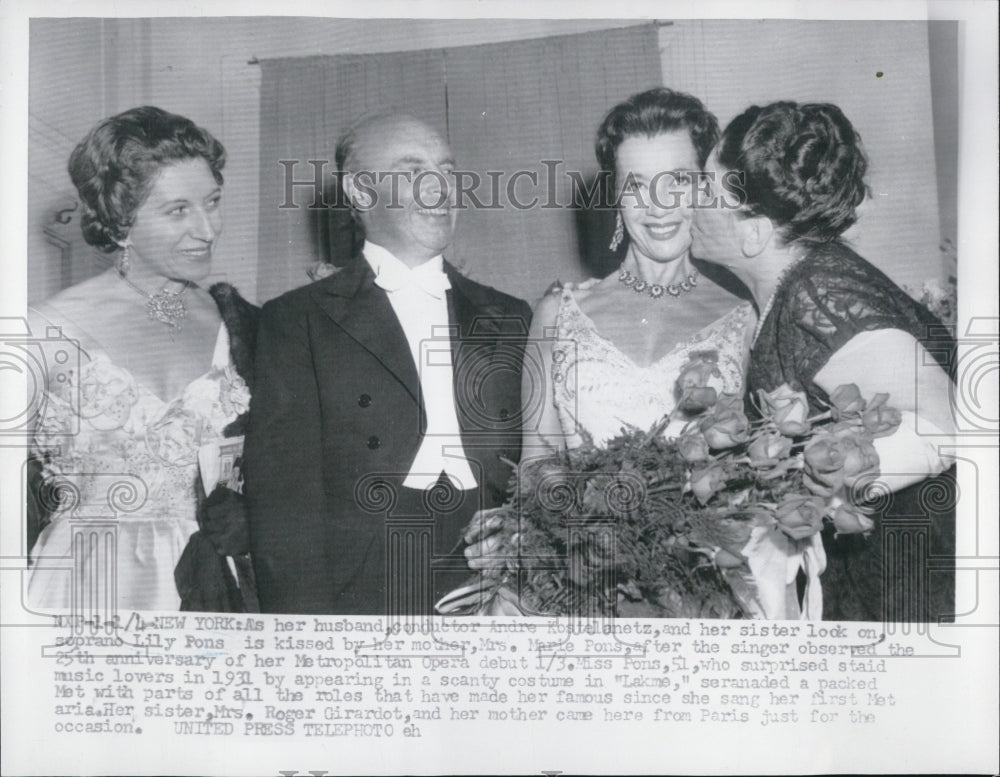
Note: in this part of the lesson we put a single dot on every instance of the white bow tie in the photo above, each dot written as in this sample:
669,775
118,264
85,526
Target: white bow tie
433,282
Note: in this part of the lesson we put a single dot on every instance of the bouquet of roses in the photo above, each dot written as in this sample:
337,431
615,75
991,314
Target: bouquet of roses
651,526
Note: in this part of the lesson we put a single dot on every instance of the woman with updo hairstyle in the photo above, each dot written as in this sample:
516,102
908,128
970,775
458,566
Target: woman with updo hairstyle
785,182
162,368
621,342
633,331
115,166
803,167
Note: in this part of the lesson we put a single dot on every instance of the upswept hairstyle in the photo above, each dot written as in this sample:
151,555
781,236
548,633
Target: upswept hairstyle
114,167
652,113
802,166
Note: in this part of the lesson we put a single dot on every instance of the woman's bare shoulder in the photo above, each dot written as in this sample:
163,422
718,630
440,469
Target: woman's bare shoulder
86,313
83,300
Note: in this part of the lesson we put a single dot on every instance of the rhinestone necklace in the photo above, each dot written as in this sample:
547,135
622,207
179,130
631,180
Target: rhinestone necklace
166,307
657,290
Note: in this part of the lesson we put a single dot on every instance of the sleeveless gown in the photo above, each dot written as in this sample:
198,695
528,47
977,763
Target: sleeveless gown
122,459
598,389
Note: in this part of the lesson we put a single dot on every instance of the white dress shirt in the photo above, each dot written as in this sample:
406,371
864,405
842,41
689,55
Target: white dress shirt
418,297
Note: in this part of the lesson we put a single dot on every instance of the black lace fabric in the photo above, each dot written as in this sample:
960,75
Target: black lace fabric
825,300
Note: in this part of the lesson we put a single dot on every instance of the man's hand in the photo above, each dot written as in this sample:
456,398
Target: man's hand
484,541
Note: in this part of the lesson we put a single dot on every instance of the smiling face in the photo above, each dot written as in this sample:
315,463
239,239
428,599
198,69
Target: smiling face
402,171
654,176
175,229
717,234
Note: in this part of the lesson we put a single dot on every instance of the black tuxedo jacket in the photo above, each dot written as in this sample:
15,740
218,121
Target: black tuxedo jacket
336,420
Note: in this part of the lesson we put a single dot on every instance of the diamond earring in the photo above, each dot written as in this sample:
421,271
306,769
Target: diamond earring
619,235
123,261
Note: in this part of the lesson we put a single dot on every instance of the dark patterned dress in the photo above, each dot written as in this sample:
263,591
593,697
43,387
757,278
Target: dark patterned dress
904,570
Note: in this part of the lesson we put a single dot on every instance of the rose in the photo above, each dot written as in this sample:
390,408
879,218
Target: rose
697,400
729,402
846,402
732,533
725,427
787,409
879,419
824,459
841,427
705,481
800,517
848,519
693,447
860,456
692,389
834,460
768,449
702,366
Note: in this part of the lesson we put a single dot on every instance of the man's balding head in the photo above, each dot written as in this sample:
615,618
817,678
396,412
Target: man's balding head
396,172
354,149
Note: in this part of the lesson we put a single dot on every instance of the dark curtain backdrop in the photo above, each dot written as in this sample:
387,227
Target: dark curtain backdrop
503,107
305,105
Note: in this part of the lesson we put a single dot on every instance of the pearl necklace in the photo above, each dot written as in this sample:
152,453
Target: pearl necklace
166,307
657,290
766,310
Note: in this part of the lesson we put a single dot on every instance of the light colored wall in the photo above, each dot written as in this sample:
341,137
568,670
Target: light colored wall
201,70
199,67
942,39
80,70
733,64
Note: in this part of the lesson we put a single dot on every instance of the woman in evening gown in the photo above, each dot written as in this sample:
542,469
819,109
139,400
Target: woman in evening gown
612,349
828,318
151,380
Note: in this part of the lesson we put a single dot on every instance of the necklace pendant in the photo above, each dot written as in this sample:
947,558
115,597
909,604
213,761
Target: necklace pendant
163,306
166,308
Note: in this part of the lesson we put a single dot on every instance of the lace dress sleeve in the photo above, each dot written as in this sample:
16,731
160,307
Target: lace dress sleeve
826,301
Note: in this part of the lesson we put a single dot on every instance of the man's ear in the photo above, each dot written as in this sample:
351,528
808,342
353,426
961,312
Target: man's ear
360,197
758,231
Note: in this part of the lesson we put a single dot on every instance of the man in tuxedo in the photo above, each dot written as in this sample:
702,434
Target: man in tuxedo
387,398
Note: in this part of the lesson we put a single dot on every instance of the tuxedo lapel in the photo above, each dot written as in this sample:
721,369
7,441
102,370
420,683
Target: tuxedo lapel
363,311
473,318
472,351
